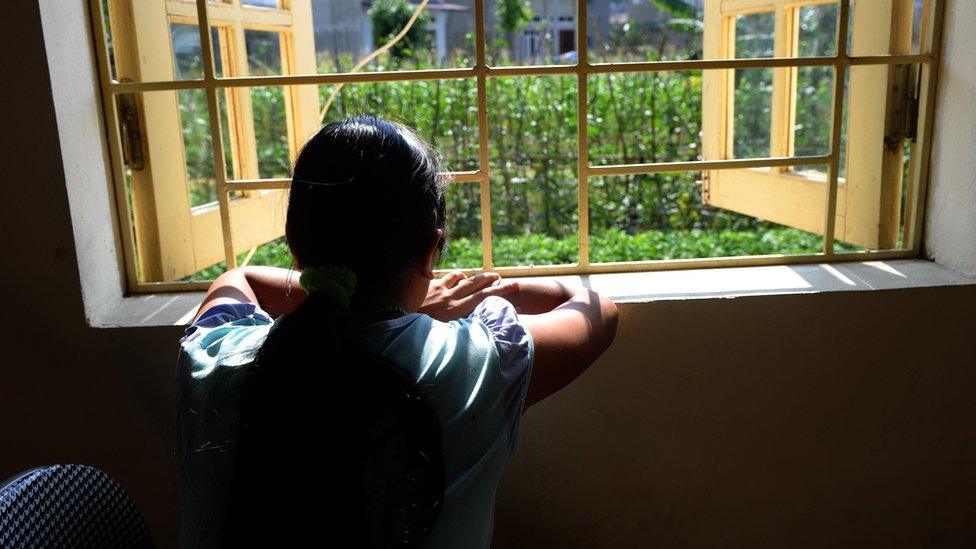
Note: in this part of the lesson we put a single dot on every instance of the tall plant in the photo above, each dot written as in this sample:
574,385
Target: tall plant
389,17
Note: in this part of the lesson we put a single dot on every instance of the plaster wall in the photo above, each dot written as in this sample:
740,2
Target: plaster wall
950,230
803,420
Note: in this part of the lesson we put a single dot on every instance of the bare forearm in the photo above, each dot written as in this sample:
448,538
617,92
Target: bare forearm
539,296
276,289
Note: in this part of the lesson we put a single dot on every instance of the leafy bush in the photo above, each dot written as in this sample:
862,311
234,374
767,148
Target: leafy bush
606,246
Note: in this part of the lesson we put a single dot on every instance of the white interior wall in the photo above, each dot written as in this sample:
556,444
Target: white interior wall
950,230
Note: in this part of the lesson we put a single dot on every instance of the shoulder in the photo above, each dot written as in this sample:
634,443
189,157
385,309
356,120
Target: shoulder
511,340
225,334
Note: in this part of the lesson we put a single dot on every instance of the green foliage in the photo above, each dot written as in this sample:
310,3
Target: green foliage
512,15
606,246
389,17
677,8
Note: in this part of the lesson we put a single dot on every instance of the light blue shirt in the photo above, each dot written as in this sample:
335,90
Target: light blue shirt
474,372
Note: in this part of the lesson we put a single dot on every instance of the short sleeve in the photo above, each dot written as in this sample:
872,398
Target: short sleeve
515,354
227,313
514,345
226,332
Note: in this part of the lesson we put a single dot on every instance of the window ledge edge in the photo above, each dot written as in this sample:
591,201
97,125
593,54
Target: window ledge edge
177,309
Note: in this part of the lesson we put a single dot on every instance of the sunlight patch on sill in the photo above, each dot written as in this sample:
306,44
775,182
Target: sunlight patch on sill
177,309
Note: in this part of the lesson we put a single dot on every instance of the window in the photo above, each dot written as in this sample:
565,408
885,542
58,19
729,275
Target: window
673,130
867,212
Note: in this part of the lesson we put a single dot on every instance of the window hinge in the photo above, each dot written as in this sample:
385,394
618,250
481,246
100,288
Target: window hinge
903,118
129,130
706,187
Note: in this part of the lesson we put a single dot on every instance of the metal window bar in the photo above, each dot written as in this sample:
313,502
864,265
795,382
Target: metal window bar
927,60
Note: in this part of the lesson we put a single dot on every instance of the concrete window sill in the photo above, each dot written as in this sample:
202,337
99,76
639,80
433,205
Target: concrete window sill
175,309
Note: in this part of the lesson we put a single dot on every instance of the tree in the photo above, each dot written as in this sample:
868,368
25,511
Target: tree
512,15
389,17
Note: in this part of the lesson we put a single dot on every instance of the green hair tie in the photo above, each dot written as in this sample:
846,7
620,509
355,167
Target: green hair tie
337,284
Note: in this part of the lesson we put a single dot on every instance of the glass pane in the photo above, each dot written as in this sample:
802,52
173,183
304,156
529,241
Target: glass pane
444,112
188,55
263,52
636,118
271,131
814,112
753,112
645,30
818,31
533,170
261,3
754,35
197,147
814,92
530,33
346,32
268,155
661,216
464,250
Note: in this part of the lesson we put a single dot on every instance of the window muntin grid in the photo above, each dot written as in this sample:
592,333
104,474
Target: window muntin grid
927,60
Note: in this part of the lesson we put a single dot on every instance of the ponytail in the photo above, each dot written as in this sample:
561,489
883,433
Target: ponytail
334,442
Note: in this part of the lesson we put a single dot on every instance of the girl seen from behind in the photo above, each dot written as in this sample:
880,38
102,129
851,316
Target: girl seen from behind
368,404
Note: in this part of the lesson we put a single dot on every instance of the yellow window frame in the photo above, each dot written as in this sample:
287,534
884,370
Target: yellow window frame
237,237
868,209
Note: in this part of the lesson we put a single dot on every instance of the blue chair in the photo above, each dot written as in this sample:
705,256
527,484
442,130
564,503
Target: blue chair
68,506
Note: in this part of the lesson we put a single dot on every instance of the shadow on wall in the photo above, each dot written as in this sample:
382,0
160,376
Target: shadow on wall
812,420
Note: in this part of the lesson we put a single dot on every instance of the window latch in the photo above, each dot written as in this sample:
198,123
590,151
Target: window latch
129,130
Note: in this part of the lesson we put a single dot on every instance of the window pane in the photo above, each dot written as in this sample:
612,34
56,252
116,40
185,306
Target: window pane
645,30
814,92
530,33
263,52
444,112
818,30
533,170
661,216
346,32
197,147
271,131
754,35
753,112
636,118
464,249
261,3
187,54
814,112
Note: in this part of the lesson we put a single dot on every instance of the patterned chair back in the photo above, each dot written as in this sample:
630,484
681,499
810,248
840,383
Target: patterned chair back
69,506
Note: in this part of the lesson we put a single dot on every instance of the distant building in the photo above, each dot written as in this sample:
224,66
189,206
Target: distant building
552,32
342,27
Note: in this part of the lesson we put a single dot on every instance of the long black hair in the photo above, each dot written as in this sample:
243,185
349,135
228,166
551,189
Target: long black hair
336,445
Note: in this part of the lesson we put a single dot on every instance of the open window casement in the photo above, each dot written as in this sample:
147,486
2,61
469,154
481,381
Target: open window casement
174,237
869,194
